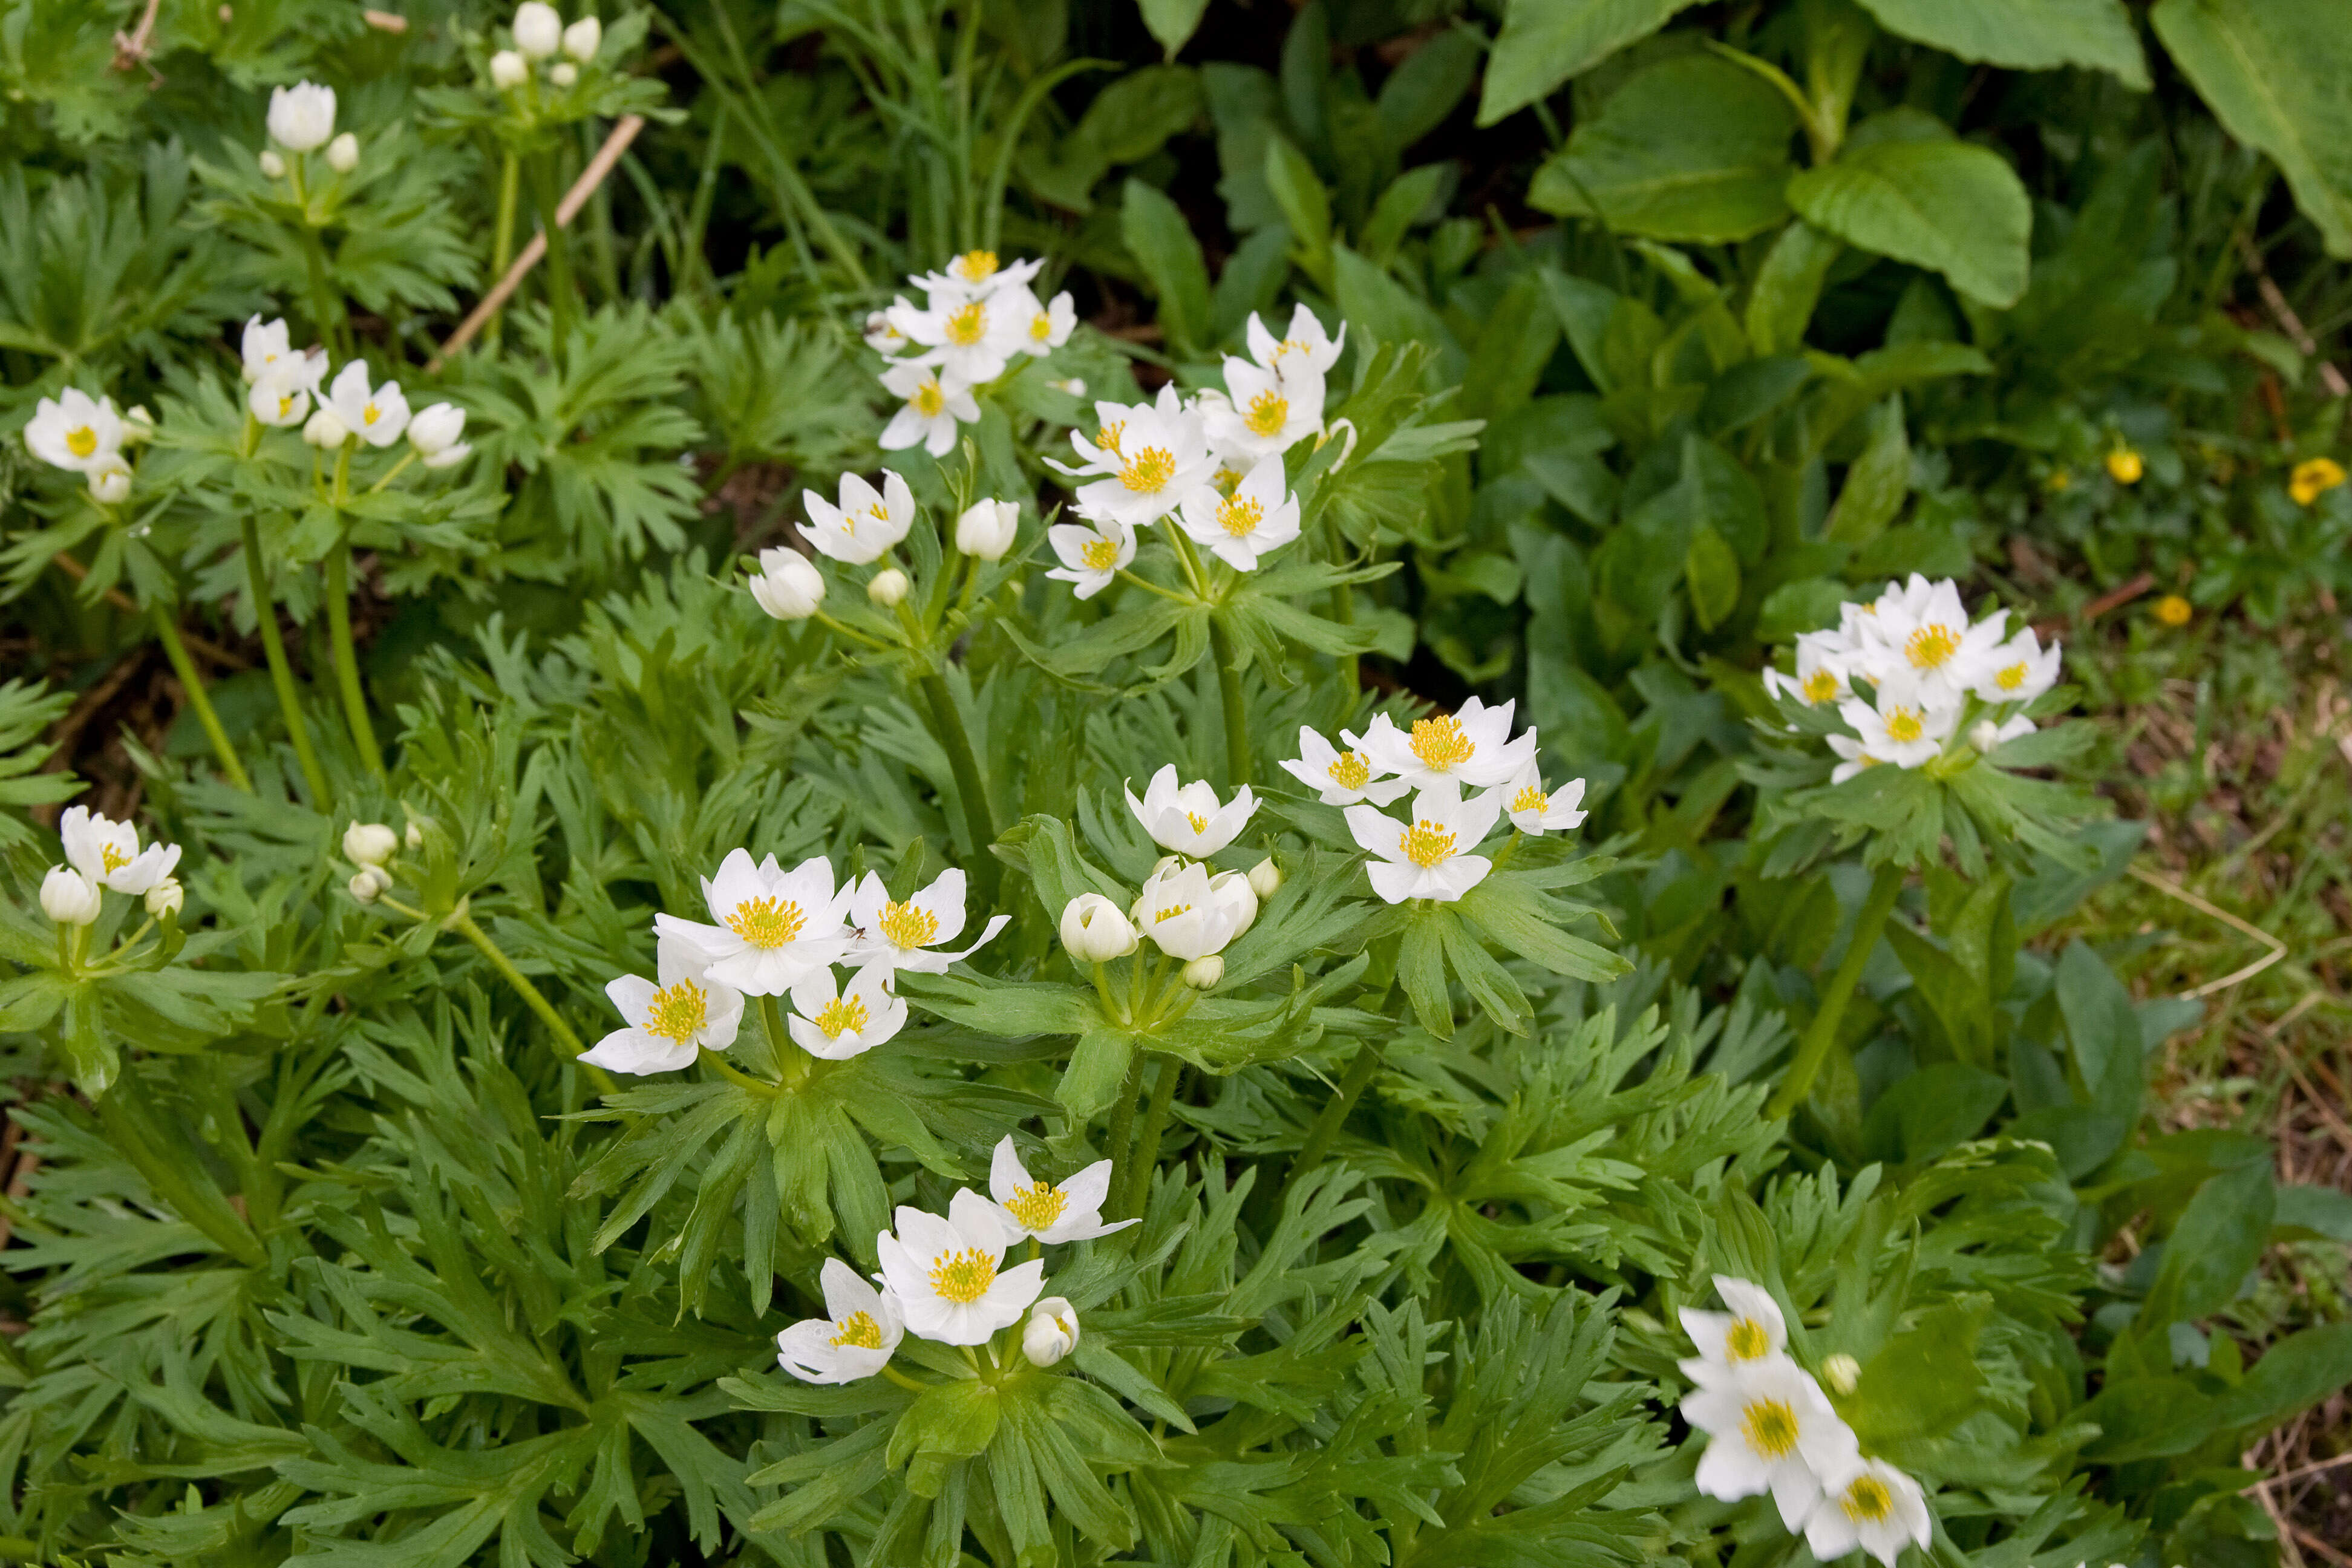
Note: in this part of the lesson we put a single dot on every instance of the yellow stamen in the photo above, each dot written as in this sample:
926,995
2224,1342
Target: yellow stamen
1771,1428
1108,436
81,440
284,402
1425,844
1099,554
1440,743
1170,912
1041,327
1931,647
966,324
679,1013
929,400
1819,687
842,1015
1354,771
369,414
1747,1340
964,1276
904,925
1240,517
2011,678
111,858
976,265
1199,820
1148,472
1268,412
1905,724
1868,1499
858,1329
1038,1205
1530,799
766,922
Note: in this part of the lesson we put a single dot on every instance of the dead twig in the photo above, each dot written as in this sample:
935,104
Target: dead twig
2277,948
131,47
2292,324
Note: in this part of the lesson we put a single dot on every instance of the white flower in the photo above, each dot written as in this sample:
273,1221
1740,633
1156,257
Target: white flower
138,424
1053,1331
893,935
326,429
538,30
265,345
106,852
854,1338
775,927
272,166
1260,517
1153,455
344,153
1855,759
283,389
935,404
945,1274
2020,669
1049,326
1183,916
866,524
1472,747
1238,893
1905,726
582,38
379,417
889,588
509,71
1095,931
1987,736
1430,857
986,529
562,73
1532,810
166,898
670,1024
369,843
434,431
1266,877
1769,1428
1871,1504
1340,778
110,480
1264,412
1751,1330
1823,661
1070,1212
971,340
974,275
882,335
69,898
1843,1372
75,431
1076,385
1920,628
1190,820
1091,553
1305,345
787,585
837,1023
301,117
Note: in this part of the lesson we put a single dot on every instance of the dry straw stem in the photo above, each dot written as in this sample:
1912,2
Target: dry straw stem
2277,948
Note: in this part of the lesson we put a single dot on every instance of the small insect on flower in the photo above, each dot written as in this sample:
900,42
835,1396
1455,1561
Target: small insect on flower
946,1273
1044,1211
2174,611
2314,478
1258,518
1535,810
106,852
1091,553
1749,1331
378,417
867,523
854,1338
1430,857
1870,1504
893,935
301,117
1190,820
1472,747
75,431
668,1024
774,927
1052,1332
836,1022
1769,1429
1340,778
935,404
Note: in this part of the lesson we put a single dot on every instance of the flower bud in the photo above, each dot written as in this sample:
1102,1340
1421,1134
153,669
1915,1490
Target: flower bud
109,481
1094,931
138,424
68,896
1265,879
1842,1372
166,898
1984,735
582,39
1074,386
787,586
1166,864
272,166
344,153
985,530
367,882
538,30
415,837
326,428
889,587
563,73
1202,974
369,843
301,117
1236,893
509,71
1052,1332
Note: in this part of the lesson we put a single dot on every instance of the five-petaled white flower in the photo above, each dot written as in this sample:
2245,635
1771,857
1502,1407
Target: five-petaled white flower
854,1338
775,927
946,1273
1029,1206
1190,820
377,415
1187,916
837,1023
1305,345
1927,632
1533,809
281,393
971,339
2020,669
1769,1428
1049,326
935,404
1340,778
1430,857
1264,412
867,525
75,431
893,935
1472,747
301,117
1823,661
1150,455
1753,1330
1260,517
1091,553
263,346
975,275
434,432
106,852
669,1024
1906,724
1870,1504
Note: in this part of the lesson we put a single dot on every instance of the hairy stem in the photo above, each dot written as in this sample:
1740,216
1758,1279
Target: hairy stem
1326,1131
1118,1140
462,923
192,681
1229,686
281,674
347,664
1813,1049
972,788
1155,1123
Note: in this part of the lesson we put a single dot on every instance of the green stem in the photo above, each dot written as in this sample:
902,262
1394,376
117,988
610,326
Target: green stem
281,674
167,632
559,297
1326,1131
346,658
1122,1113
175,1180
462,923
902,1380
855,636
1229,685
1814,1048
502,241
1109,1003
972,789
1155,1122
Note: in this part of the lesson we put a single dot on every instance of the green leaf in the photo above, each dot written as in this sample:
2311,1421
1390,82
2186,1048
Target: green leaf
2024,35
1950,206
1877,483
1711,571
2219,1237
1781,304
1545,42
1925,1380
1161,243
1172,22
2296,1372
1691,149
1928,1113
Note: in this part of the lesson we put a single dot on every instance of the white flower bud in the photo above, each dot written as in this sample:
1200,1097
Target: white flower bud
1164,865
1842,1372
787,586
581,39
1202,974
109,481
344,153
563,73
1265,879
138,424
1052,1332
1235,890
1984,735
369,843
1094,931
985,530
272,166
1074,386
538,30
415,837
166,898
301,117
326,428
889,587
68,896
509,71
368,882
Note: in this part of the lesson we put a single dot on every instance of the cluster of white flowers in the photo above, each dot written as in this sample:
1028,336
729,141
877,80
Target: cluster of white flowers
540,35
370,847
1214,463
781,933
284,384
1432,854
85,436
865,527
944,1277
302,120
976,318
102,853
1191,912
1771,1429
1929,669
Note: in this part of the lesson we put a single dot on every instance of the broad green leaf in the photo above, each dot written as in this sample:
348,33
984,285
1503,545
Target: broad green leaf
1712,572
2024,35
2220,1236
1161,243
1172,22
1545,42
1877,482
1692,149
1950,206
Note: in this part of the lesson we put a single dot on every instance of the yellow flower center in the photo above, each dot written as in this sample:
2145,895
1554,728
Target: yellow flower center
965,324
1268,412
904,925
1037,1206
679,1013
1226,480
1771,1428
1747,1340
1440,743
976,265
1108,436
842,1015
1426,844
1148,472
1818,687
1868,1498
1170,912
929,400
1240,518
964,1276
1354,771
1905,724
2011,678
369,415
1199,819
1931,647
1530,799
111,858
858,1329
766,922
285,402
1099,554
81,440
1041,327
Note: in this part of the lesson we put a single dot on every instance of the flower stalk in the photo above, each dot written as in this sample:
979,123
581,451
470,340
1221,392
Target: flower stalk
192,681
281,673
339,628
1813,1049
